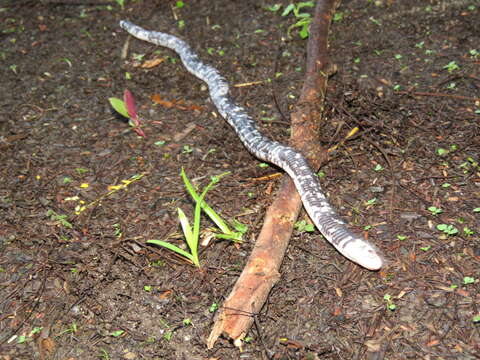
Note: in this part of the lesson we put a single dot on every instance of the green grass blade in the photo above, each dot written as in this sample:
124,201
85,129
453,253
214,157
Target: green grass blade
187,229
172,248
208,210
191,237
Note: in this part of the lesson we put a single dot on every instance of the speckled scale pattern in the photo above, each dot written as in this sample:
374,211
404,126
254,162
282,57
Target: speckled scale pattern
314,200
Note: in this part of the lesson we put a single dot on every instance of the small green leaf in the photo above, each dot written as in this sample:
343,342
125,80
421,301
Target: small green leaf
274,8
434,210
22,339
442,152
117,333
119,106
288,9
468,280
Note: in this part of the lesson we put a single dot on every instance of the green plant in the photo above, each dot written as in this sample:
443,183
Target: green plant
213,307
303,19
441,151
451,66
127,109
104,354
447,229
371,202
226,232
303,226
118,230
390,304
117,333
192,234
434,210
187,149
61,219
121,3
73,328
468,280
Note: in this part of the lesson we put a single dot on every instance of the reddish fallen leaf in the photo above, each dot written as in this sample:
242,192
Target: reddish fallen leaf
165,294
433,342
158,100
462,292
180,104
292,344
47,346
148,64
413,257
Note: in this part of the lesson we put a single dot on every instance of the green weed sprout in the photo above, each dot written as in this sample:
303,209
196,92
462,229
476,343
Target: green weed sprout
226,232
304,19
192,235
390,304
447,229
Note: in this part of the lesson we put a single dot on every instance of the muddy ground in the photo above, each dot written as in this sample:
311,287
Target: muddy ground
85,285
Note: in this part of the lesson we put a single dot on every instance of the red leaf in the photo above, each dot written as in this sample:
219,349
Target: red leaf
130,105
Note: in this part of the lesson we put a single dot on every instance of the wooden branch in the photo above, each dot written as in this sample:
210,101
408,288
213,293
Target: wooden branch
262,270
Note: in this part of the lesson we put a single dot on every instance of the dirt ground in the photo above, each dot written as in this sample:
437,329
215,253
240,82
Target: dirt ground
85,285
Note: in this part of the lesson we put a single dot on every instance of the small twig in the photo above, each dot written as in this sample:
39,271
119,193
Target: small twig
421,93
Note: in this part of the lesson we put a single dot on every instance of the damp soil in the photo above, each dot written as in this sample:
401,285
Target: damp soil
81,193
